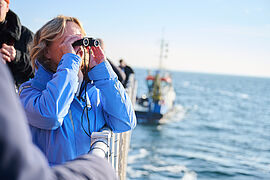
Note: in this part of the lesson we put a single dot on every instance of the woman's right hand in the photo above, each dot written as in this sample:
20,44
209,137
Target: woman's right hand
66,45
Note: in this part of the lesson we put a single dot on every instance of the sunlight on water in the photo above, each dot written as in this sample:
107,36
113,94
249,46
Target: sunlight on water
220,129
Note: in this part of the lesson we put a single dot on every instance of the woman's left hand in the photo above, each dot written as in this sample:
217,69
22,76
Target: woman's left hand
97,56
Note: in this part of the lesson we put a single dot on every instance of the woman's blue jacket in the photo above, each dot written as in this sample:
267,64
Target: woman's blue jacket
56,115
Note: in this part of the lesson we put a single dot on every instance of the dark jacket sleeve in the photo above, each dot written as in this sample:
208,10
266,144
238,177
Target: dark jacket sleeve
21,67
20,159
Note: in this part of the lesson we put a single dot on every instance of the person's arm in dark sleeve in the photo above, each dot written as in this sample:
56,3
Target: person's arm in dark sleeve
130,70
20,159
21,66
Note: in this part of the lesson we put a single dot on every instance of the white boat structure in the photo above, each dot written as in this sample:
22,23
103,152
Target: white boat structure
160,98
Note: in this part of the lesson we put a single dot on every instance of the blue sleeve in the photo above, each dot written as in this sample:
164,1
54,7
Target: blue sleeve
118,110
46,109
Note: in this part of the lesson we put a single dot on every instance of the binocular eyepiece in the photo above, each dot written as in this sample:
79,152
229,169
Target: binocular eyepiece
86,41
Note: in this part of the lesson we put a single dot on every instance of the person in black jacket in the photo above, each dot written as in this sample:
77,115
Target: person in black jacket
127,69
20,159
15,40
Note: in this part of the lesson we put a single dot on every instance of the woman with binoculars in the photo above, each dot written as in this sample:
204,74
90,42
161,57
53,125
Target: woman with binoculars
74,92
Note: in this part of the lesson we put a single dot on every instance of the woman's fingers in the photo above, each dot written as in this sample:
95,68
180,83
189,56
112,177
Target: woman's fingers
95,56
66,45
98,54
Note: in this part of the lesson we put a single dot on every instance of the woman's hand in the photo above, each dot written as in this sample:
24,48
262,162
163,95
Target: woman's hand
66,45
97,56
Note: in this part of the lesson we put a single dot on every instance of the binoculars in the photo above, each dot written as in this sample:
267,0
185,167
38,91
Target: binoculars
86,41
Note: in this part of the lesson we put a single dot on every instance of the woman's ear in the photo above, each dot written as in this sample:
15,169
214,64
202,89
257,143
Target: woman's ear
46,53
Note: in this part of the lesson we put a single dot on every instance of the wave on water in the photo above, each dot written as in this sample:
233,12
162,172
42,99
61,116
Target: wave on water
160,168
187,84
142,153
234,94
175,169
176,115
132,173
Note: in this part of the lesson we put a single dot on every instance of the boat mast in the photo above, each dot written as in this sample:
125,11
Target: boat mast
163,51
161,54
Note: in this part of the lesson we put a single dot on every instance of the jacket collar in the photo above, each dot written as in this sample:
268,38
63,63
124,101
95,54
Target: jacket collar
42,77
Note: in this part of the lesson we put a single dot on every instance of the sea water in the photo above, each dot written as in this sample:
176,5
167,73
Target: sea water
220,129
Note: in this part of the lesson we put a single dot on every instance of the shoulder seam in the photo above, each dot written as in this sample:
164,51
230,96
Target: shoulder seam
22,88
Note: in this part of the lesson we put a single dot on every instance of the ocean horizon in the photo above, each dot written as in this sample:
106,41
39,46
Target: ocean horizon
140,69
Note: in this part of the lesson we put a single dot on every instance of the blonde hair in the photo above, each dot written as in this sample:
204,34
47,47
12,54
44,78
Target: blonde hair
50,32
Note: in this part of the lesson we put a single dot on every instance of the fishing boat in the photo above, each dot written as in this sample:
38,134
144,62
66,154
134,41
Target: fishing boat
159,100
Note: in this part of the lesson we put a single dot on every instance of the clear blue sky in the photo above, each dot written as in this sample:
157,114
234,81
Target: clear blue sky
215,36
